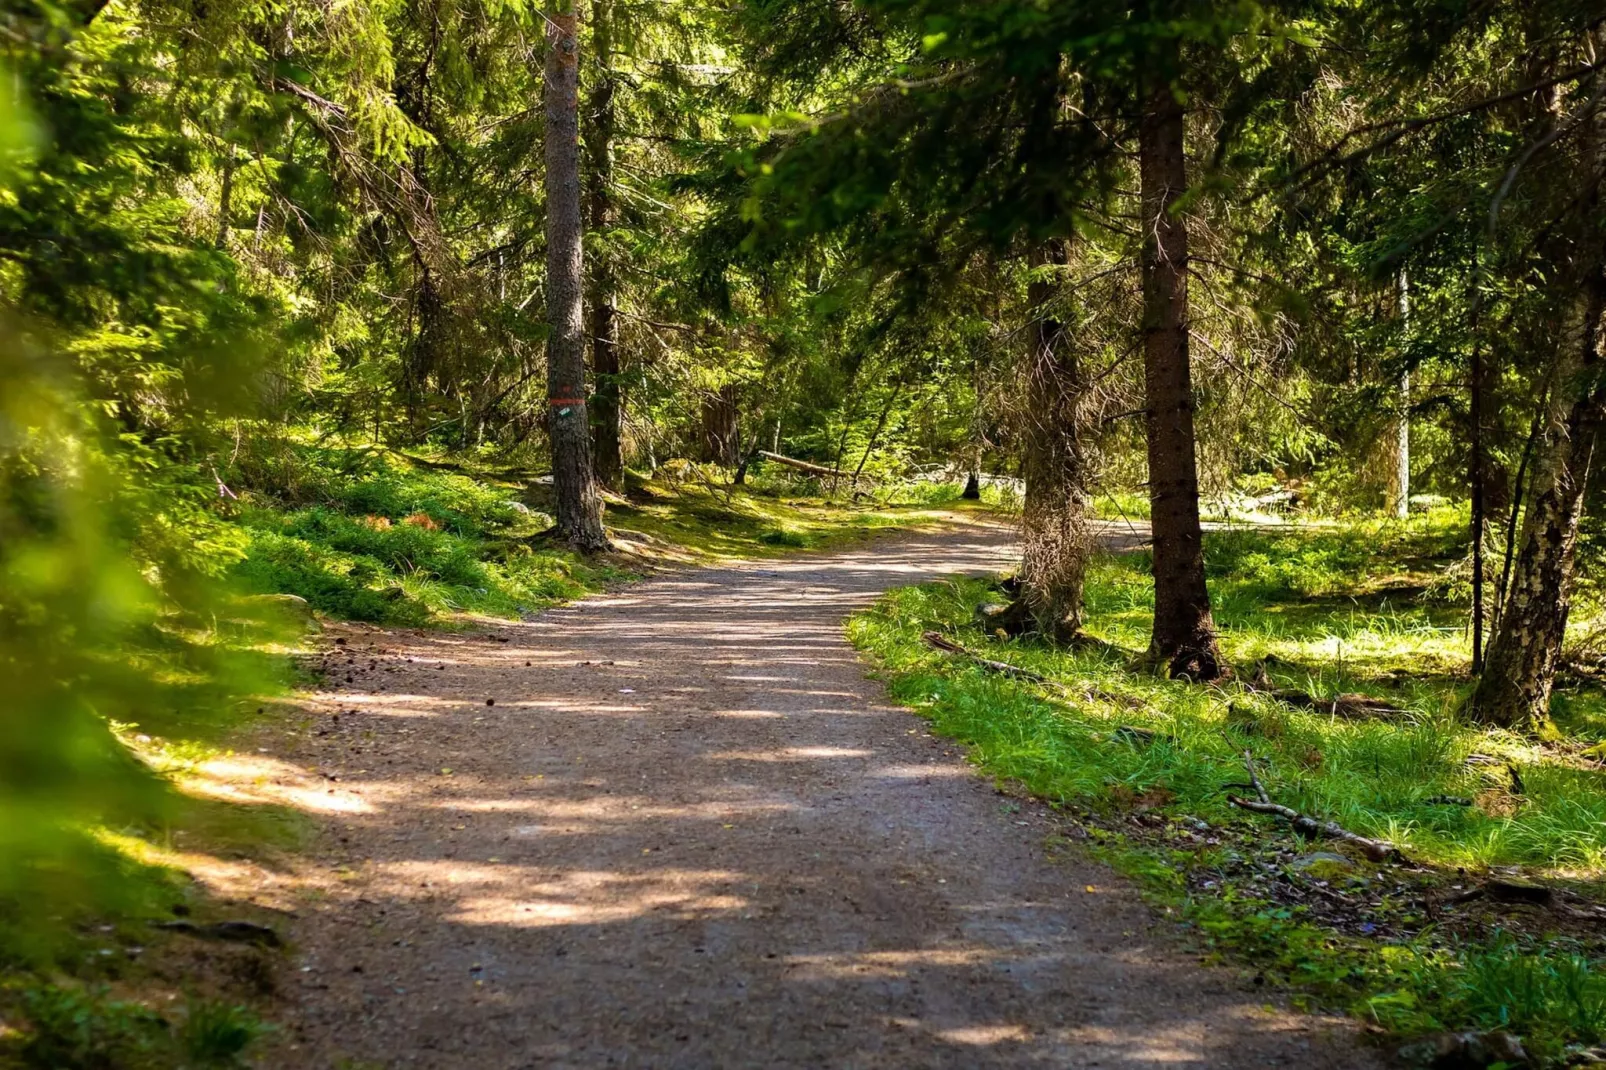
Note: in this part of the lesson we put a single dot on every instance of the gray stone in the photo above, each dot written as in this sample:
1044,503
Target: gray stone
1318,860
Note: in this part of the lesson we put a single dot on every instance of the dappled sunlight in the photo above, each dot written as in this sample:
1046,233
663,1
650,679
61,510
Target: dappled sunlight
921,772
829,966
985,1034
259,780
509,895
680,805
789,754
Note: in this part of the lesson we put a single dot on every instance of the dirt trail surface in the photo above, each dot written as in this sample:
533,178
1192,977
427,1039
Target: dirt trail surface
690,832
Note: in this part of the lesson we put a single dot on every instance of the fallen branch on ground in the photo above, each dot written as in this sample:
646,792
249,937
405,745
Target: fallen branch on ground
812,469
1350,704
1305,825
943,643
1504,891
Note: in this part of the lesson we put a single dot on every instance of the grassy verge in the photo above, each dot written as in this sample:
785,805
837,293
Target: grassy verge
1364,609
104,962
376,536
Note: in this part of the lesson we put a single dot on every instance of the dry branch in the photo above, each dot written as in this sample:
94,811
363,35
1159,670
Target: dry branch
1305,825
941,642
811,469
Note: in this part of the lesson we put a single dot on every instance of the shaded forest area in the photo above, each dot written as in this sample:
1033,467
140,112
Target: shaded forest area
414,311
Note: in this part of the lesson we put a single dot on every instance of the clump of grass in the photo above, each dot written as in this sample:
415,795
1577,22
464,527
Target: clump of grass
73,1028
1386,778
782,537
216,1033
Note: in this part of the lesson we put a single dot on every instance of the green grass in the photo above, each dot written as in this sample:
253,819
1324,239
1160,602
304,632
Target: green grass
1344,609
65,1027
376,536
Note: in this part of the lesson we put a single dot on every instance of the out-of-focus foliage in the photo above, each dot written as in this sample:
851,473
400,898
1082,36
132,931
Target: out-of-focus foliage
109,604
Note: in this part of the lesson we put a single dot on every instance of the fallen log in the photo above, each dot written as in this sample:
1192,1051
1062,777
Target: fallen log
1305,825
941,642
811,468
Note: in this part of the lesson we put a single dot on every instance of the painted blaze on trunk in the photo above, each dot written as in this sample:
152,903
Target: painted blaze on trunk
578,506
1184,636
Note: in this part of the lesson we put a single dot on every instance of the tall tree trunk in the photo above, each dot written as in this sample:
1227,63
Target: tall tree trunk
1184,636
605,393
1476,478
1056,537
579,508
1400,481
1514,688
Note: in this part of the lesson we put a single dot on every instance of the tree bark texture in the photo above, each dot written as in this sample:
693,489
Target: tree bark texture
606,401
1400,474
1056,536
721,430
1184,636
1520,667
579,507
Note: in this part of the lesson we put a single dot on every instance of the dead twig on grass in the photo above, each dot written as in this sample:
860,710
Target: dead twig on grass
1305,825
1522,892
943,643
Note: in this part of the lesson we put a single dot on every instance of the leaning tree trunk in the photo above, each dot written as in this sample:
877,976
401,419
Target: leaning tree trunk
1514,688
579,508
605,396
1184,636
1056,537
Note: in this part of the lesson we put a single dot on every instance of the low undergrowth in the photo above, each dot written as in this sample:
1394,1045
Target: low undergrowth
1144,766
372,535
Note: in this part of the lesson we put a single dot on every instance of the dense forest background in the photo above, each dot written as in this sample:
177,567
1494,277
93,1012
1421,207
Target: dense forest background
295,291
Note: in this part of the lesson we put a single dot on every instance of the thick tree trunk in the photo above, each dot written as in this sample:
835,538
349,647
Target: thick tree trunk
1184,635
1514,688
1056,537
579,508
605,395
720,430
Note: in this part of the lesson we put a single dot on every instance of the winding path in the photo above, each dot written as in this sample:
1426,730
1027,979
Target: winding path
691,833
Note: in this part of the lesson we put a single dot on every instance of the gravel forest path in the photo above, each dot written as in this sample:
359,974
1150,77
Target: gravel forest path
691,832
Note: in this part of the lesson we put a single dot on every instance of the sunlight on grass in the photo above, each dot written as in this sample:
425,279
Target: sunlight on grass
1318,607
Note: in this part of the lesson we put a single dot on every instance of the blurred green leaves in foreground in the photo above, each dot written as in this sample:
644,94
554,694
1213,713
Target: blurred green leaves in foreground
112,623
